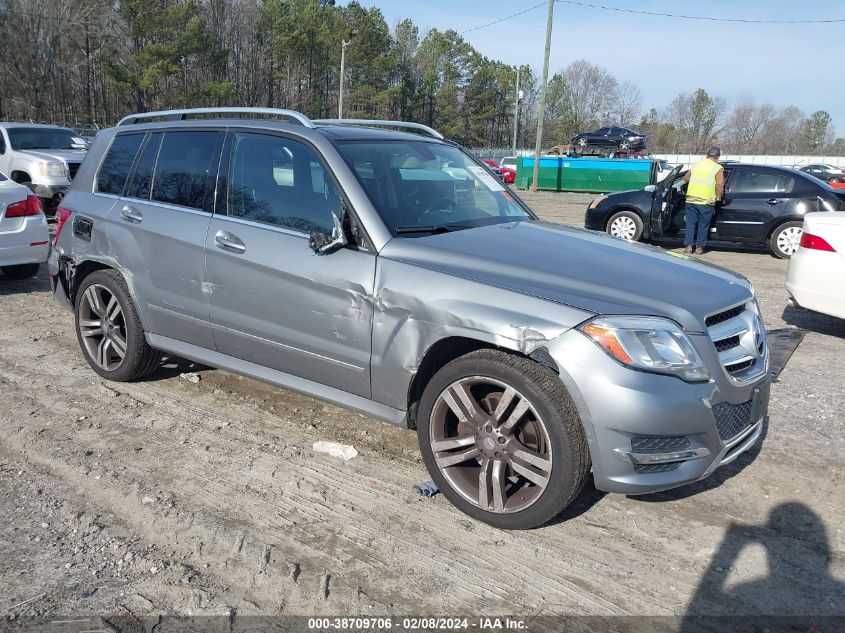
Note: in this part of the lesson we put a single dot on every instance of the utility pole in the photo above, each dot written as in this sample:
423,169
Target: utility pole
343,45
542,112
516,112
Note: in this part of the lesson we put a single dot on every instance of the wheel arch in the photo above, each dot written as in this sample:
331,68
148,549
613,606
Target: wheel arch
445,350
779,222
627,207
20,176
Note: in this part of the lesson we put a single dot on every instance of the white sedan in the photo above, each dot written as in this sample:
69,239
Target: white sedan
816,271
24,237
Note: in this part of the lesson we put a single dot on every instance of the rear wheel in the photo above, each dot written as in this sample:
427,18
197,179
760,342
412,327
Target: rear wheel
785,239
625,225
502,439
109,330
21,271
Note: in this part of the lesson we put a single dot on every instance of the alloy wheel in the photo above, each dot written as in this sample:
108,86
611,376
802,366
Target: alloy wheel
102,327
490,444
623,227
789,239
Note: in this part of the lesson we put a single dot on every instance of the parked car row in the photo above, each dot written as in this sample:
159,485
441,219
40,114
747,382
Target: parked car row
45,158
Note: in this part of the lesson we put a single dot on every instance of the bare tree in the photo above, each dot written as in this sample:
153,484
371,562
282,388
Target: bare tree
747,123
627,104
591,91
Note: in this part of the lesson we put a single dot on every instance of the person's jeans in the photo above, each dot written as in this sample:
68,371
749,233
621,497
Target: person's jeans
698,218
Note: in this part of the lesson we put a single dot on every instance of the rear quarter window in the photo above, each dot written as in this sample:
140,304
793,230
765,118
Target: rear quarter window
115,167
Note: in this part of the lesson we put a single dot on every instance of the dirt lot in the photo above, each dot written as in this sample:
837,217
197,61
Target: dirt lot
169,496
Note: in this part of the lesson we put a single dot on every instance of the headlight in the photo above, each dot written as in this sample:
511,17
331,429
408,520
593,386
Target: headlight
52,169
597,201
648,343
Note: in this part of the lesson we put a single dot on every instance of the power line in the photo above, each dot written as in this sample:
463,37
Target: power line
697,17
484,26
676,16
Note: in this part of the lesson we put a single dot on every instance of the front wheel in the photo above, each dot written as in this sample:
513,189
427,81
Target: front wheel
21,271
502,439
109,330
625,225
785,239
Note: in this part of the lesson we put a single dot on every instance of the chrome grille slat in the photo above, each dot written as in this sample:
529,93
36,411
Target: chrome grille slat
735,335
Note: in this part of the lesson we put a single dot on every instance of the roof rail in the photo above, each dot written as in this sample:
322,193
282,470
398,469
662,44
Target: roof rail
382,123
180,115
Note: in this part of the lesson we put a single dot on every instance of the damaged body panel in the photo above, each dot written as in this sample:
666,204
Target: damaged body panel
395,275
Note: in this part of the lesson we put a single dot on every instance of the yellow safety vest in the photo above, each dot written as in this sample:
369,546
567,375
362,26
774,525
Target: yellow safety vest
702,182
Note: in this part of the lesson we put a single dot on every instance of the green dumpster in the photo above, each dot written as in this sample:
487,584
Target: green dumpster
560,173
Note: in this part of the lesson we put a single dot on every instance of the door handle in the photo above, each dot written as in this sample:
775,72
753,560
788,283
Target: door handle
773,201
229,242
131,214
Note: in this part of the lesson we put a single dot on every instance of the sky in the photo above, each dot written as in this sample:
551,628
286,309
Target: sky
785,64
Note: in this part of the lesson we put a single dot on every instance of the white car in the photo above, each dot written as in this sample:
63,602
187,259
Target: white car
24,237
816,271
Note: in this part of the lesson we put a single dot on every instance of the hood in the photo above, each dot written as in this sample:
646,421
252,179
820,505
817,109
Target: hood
583,269
67,155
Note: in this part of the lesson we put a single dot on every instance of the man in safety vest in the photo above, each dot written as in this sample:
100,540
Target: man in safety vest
706,185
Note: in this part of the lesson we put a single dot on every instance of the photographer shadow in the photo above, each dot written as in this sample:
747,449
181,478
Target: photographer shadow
798,593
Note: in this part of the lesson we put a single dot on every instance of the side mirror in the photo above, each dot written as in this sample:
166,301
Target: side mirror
650,188
324,243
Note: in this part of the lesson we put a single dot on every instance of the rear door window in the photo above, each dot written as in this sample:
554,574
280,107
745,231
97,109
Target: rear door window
281,182
186,169
751,181
117,163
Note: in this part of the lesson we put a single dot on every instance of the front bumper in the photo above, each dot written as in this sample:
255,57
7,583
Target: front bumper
49,190
648,432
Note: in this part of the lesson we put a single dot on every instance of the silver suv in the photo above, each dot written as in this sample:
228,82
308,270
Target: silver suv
392,273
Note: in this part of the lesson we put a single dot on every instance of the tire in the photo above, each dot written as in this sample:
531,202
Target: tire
539,426
21,271
626,225
785,238
124,329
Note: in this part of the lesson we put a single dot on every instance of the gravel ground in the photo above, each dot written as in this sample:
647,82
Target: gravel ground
168,496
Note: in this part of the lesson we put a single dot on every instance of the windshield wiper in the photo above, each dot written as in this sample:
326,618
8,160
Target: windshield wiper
434,228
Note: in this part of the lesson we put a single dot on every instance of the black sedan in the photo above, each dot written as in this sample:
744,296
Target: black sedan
610,138
827,173
762,205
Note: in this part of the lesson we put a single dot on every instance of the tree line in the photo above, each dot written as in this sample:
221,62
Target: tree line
87,63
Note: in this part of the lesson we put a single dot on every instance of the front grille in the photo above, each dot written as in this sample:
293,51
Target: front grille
735,368
732,419
727,343
645,469
721,317
72,168
658,443
739,338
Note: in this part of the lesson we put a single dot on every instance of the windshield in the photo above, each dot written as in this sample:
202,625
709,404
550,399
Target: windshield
42,138
428,185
